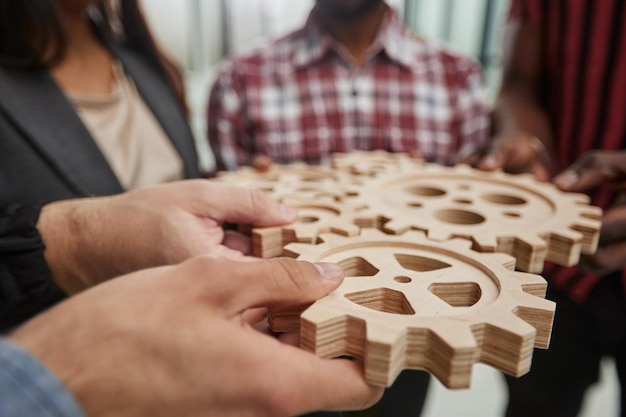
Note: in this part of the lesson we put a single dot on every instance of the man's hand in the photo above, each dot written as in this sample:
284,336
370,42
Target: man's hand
91,240
591,170
515,154
176,341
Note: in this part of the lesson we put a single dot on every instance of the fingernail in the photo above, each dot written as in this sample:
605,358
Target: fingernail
328,270
489,161
288,212
566,179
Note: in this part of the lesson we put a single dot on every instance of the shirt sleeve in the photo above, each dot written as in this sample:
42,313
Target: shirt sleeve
228,135
527,10
25,278
472,107
27,388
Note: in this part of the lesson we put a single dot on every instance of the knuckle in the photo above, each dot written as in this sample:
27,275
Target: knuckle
288,275
258,200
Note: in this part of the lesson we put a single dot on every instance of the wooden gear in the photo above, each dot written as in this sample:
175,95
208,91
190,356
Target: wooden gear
409,302
532,221
315,216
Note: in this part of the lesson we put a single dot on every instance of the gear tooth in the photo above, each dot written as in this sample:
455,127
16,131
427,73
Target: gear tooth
297,250
590,230
502,259
385,356
345,229
579,198
530,252
267,242
439,235
507,343
372,234
454,244
532,284
591,212
366,219
415,236
302,234
450,354
331,333
396,227
486,242
539,313
564,247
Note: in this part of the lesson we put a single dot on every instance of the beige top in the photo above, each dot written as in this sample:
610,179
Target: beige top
128,134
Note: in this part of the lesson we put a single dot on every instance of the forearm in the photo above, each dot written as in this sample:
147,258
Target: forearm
518,113
63,226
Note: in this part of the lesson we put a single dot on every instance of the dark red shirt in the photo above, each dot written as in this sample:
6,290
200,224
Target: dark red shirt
584,48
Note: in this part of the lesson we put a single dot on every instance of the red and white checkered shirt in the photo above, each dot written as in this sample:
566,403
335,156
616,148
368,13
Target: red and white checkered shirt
302,99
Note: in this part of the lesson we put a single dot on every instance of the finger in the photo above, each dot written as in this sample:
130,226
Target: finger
237,241
540,172
607,259
613,226
339,384
262,162
225,203
290,338
490,161
254,315
581,180
277,282
567,180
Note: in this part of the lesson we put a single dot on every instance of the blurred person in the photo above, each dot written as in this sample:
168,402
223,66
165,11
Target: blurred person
178,340
89,106
352,78
561,105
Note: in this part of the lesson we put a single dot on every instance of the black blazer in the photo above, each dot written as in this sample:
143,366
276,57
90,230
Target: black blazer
47,154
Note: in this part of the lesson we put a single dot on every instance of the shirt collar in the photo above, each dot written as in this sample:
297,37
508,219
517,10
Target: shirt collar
393,39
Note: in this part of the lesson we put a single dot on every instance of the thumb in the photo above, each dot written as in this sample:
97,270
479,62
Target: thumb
491,160
278,281
226,203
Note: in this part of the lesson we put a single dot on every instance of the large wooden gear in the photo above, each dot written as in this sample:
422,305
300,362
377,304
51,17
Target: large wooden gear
532,221
409,302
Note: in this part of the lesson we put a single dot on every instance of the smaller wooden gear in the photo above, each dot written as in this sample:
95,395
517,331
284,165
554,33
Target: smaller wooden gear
295,180
532,221
315,216
409,302
372,163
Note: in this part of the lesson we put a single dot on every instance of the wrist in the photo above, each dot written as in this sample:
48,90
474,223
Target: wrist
60,227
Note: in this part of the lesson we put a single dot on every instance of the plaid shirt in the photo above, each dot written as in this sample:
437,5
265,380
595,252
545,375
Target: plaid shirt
302,98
